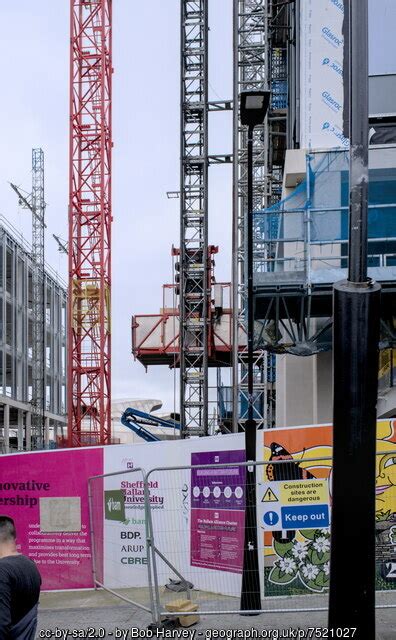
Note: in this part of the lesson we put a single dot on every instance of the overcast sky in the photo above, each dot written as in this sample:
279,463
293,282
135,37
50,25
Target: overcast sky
34,112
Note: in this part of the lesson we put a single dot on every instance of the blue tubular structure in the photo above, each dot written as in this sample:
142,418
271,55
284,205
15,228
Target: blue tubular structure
137,421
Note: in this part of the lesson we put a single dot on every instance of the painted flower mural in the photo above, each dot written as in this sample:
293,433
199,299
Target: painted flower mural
304,559
299,550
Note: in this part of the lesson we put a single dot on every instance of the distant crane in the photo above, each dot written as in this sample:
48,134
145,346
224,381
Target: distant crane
35,202
62,244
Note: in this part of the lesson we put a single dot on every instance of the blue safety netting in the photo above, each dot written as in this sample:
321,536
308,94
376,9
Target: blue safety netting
316,213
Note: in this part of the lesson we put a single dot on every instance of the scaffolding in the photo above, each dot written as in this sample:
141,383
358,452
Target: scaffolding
251,72
260,62
301,250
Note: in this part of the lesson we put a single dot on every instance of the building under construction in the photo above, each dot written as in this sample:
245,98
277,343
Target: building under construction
16,348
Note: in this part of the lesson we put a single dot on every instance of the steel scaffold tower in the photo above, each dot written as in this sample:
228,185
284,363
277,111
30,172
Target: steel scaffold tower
35,202
261,34
89,346
194,261
251,71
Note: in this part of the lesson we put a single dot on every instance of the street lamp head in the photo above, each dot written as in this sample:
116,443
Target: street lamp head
254,106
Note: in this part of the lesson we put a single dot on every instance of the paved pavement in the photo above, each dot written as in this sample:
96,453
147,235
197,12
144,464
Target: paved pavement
86,610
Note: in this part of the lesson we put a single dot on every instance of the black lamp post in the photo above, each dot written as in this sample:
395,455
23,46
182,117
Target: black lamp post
253,109
355,375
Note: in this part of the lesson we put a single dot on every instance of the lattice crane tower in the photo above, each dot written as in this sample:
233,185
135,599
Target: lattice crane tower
38,301
89,248
194,264
35,202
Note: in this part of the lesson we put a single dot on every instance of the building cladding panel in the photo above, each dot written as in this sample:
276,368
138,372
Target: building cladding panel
16,326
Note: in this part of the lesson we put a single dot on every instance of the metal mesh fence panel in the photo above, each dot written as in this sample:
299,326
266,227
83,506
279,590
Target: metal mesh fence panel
198,535
198,539
119,536
179,533
294,523
205,513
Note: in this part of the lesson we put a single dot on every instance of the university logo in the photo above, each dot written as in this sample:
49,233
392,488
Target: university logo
128,462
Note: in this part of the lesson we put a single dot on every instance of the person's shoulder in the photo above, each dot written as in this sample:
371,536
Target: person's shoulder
19,559
5,568
25,558
27,561
5,577
28,566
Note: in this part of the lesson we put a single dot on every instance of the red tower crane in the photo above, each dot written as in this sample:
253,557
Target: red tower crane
89,343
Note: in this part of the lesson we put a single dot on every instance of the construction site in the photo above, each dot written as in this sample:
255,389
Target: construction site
167,276
52,399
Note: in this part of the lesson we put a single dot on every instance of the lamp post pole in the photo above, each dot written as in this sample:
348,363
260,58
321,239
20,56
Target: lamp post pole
250,451
253,109
356,314
250,594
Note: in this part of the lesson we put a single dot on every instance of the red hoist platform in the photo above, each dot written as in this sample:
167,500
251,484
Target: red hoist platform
89,345
156,337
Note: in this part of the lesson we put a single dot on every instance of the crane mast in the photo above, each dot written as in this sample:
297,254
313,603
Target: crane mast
194,262
89,246
35,203
38,301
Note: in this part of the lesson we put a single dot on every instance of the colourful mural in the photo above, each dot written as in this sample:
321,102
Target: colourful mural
297,561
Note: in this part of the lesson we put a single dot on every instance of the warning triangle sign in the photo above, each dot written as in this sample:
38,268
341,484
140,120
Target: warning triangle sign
269,496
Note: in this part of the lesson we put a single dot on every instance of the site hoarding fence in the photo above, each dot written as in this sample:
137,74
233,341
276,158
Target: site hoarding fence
178,532
113,526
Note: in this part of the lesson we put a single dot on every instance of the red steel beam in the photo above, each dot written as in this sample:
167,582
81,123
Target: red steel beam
89,339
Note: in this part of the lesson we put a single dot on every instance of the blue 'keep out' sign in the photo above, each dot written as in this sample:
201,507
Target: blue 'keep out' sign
305,517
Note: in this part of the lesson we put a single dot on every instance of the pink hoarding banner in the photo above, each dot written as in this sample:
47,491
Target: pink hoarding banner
46,493
217,539
26,481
